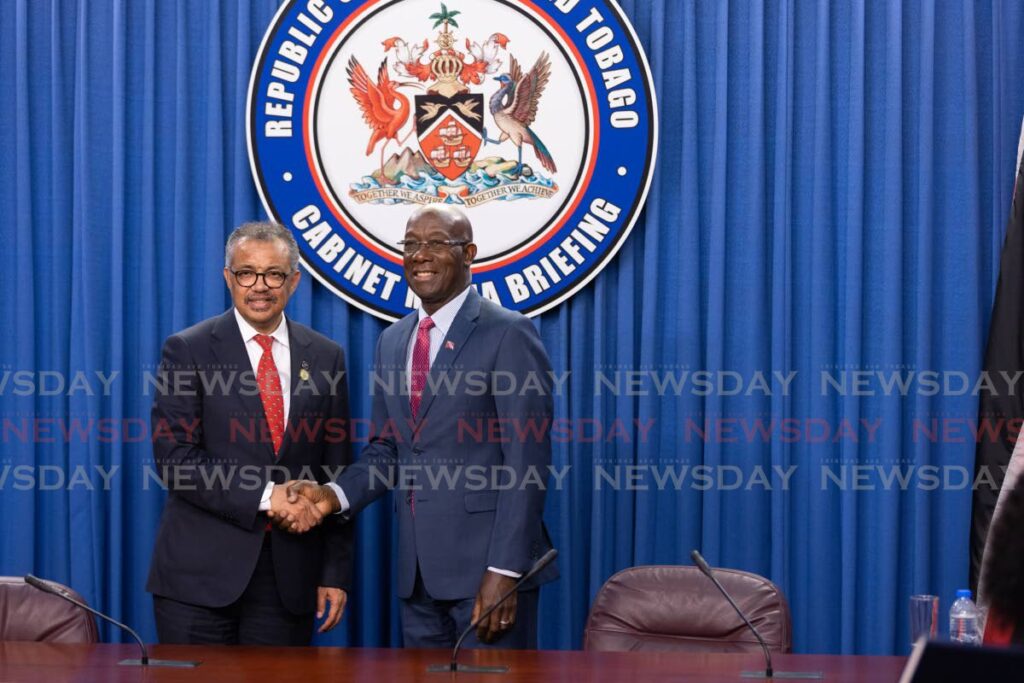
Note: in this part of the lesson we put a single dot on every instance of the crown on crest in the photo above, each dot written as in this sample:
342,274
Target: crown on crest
447,63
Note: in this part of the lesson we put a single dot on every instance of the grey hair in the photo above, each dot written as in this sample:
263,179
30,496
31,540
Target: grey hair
262,231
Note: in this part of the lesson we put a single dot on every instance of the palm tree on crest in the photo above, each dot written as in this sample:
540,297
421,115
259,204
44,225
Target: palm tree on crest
445,17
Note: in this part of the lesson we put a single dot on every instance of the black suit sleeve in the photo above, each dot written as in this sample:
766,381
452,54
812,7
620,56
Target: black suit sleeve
189,471
991,460
338,536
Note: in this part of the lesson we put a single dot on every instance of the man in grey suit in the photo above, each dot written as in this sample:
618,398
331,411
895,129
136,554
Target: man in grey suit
465,539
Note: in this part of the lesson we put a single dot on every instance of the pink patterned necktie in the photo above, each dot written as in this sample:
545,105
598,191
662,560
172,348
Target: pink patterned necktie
270,392
420,365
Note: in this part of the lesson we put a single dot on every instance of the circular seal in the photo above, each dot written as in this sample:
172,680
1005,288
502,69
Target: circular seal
536,117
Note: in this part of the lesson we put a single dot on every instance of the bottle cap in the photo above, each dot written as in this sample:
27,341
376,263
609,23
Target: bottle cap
963,593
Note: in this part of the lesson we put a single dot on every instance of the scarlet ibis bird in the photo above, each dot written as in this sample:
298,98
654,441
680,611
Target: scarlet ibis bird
514,107
385,109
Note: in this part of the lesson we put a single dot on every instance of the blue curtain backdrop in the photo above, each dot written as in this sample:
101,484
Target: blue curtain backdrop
832,184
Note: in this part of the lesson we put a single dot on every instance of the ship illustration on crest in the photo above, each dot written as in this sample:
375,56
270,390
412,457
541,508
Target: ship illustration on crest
447,121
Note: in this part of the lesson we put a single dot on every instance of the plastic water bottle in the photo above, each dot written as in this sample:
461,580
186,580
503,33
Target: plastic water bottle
964,619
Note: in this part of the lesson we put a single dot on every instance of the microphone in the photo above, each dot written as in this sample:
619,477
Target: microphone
59,591
453,665
705,569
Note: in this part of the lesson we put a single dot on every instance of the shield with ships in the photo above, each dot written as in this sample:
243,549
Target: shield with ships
450,130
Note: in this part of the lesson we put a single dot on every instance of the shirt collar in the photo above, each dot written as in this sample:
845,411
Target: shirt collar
248,331
445,316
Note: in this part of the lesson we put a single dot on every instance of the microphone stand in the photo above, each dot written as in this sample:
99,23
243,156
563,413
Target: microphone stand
768,672
144,660
453,665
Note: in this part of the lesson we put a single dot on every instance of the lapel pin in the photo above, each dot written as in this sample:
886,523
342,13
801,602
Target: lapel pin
450,345
304,371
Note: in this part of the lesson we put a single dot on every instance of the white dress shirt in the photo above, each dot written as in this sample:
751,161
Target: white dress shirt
282,359
443,319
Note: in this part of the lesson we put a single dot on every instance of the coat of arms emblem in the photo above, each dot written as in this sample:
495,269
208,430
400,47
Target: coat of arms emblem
537,118
447,120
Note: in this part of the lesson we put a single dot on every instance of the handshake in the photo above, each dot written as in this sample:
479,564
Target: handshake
299,505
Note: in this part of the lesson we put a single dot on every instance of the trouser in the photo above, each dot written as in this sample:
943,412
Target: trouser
427,622
257,618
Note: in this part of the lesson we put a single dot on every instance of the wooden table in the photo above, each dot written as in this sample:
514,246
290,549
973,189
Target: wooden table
44,662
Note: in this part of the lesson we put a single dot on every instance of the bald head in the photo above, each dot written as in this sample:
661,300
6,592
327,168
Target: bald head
450,218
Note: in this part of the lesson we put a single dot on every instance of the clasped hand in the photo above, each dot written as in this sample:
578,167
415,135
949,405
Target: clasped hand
298,505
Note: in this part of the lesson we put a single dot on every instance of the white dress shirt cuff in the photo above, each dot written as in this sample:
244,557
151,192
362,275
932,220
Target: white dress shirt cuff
504,572
265,500
341,497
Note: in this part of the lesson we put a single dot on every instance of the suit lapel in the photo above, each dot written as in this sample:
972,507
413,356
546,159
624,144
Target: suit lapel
451,347
228,347
300,352
400,357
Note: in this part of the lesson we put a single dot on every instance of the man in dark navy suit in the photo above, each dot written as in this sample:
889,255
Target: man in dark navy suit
247,404
462,543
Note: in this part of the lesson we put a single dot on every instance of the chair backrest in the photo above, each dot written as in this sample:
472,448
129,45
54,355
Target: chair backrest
678,608
27,613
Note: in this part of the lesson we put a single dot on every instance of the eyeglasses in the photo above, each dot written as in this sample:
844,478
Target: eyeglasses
273,279
433,246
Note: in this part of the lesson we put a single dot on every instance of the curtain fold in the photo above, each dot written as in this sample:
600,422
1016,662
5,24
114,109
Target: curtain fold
830,196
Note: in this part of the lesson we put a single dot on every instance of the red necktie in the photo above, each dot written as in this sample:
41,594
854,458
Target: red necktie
420,365
270,391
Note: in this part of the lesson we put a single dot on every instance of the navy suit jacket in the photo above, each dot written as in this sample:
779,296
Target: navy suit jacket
455,462
211,442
